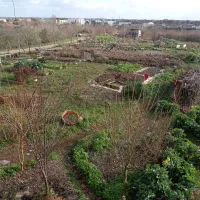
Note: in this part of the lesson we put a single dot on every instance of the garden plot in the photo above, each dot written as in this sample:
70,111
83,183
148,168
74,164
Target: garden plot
116,81
99,54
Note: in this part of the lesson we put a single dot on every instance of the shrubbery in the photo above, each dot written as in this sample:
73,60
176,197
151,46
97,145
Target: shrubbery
152,183
127,67
133,89
183,174
9,170
25,68
176,177
29,63
158,87
113,190
100,141
191,58
164,107
188,124
89,170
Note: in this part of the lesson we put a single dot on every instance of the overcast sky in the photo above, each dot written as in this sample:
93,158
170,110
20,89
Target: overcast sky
129,9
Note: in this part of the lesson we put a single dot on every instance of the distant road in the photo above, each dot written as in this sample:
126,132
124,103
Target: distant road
26,50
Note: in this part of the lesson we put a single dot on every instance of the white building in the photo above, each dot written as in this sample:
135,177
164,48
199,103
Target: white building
80,21
61,21
111,23
148,24
124,23
3,20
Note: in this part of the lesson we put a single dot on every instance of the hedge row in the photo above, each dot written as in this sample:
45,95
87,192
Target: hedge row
113,190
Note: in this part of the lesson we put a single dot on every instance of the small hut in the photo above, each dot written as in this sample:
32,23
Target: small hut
187,91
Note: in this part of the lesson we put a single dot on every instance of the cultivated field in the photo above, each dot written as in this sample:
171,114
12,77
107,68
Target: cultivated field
131,127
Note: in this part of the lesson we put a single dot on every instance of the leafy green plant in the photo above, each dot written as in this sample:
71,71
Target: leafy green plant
164,107
9,170
127,67
183,175
31,163
54,156
178,133
29,63
195,114
105,37
189,125
115,189
93,174
158,87
191,57
100,141
152,183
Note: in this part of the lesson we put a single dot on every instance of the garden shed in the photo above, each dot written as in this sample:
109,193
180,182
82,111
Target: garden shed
187,90
134,33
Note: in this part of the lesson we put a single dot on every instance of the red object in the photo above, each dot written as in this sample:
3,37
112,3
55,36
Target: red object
175,81
146,76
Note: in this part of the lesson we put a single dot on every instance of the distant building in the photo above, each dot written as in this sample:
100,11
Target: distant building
124,23
97,22
111,22
3,20
80,21
148,24
61,21
134,33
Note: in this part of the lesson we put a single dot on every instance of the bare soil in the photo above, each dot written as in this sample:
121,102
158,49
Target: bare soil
31,181
120,77
146,58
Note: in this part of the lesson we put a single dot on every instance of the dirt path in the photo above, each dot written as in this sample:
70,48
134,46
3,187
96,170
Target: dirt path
26,50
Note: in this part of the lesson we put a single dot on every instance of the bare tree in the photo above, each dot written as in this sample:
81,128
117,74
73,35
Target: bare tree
134,135
35,117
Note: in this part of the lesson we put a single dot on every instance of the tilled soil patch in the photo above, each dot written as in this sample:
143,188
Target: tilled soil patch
120,77
143,58
98,54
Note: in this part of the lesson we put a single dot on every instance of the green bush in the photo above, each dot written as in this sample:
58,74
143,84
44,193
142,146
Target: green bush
89,170
189,125
164,107
133,89
183,175
178,133
127,67
41,59
109,191
29,63
184,147
100,141
9,170
158,87
195,114
54,156
191,57
188,151
152,183
114,190
31,163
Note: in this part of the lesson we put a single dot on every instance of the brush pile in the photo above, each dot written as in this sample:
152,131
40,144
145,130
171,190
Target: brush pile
187,91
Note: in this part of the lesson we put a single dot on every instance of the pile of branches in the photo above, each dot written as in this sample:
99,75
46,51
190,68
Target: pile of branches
189,91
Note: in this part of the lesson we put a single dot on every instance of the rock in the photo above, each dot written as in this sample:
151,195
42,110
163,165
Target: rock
19,195
4,162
